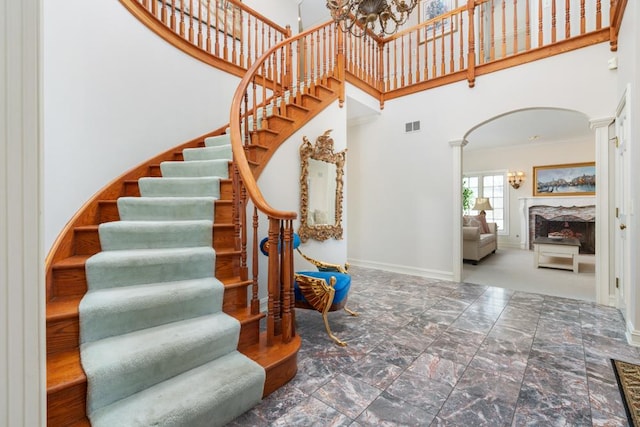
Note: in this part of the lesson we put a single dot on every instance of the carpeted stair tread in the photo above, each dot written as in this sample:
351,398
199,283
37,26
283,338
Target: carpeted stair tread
210,395
208,186
195,168
207,153
142,266
119,235
217,140
119,366
166,208
115,311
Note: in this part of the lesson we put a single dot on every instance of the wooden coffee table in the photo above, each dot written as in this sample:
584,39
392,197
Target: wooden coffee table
552,253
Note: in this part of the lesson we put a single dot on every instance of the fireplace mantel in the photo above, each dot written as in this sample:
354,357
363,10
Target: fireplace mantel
527,202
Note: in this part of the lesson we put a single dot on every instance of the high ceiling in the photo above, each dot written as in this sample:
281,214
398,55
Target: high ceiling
532,126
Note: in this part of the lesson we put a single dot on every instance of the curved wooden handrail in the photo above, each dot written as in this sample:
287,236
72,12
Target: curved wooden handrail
237,146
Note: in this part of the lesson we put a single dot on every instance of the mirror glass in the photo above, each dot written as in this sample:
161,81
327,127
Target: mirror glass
321,189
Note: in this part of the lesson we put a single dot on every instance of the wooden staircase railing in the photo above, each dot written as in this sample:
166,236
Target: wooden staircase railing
286,82
224,33
478,37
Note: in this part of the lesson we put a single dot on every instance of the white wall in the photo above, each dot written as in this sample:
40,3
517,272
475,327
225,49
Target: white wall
524,158
115,94
401,184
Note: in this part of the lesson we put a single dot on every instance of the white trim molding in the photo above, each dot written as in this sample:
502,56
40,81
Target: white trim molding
456,163
22,306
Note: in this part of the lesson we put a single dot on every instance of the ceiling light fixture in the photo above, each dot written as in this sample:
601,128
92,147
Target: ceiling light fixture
378,16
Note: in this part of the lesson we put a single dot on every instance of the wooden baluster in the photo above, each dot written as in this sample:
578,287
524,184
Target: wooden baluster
567,19
262,49
154,8
330,55
370,60
325,58
255,40
225,30
451,49
340,58
434,67
599,14
200,37
217,27
387,76
245,123
299,47
173,15
504,29
425,48
395,63
443,69
273,280
233,37
312,62
248,38
191,18
480,33
540,35
264,95
417,50
244,270
318,60
380,78
242,38
471,67
527,40
492,30
461,22
254,110
208,44
583,22
515,26
287,282
410,65
163,13
145,3
402,67
255,301
182,27
553,21
278,300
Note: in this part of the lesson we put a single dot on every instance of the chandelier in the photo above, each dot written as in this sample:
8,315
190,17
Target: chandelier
361,16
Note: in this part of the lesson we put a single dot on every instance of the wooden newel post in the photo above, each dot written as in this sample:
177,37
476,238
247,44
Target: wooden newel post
471,61
287,283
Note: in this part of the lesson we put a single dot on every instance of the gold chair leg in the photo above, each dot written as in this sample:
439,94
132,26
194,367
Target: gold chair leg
351,312
333,337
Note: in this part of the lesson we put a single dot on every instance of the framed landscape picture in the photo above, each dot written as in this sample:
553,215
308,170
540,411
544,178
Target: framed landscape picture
574,179
430,9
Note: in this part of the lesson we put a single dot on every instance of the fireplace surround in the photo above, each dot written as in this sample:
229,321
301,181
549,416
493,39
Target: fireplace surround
560,217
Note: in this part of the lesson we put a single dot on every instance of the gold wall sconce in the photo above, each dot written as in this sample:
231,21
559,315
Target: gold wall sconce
515,178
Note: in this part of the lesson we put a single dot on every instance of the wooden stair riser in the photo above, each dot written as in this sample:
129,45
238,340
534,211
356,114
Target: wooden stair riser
68,281
255,153
223,212
87,240
62,334
108,211
310,101
224,237
66,406
235,298
227,265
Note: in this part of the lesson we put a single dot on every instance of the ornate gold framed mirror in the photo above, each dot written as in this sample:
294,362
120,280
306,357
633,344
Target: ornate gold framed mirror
321,182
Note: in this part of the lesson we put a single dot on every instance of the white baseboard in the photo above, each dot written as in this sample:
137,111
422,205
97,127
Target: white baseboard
403,269
633,335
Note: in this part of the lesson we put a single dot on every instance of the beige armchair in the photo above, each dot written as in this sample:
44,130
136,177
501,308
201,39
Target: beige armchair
476,244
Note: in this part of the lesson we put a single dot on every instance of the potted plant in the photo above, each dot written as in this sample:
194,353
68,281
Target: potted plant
467,195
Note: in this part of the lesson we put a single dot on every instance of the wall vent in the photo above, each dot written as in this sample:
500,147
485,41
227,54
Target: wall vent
412,126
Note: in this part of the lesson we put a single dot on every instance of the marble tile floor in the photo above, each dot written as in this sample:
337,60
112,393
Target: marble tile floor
425,352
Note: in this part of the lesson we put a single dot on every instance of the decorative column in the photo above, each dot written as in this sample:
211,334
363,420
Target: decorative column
456,236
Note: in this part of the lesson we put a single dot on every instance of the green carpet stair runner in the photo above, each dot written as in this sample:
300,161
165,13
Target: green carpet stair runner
155,344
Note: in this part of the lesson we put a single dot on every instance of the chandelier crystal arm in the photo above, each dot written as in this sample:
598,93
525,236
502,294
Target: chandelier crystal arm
358,17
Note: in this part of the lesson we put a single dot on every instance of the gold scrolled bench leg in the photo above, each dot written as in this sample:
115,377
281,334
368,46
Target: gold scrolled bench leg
351,312
333,337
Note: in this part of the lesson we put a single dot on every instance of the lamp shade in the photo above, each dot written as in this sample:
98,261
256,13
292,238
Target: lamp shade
482,204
